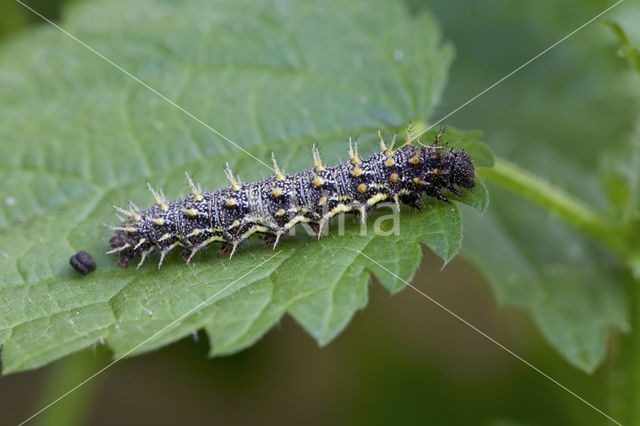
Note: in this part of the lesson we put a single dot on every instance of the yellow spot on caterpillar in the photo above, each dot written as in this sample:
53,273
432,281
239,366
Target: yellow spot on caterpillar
127,229
295,221
280,212
130,213
393,177
377,198
163,206
235,223
322,201
211,240
230,202
417,181
159,197
415,159
436,172
158,221
317,181
194,233
140,242
164,237
276,192
340,208
389,162
234,182
357,171
190,212
253,230
353,152
279,175
409,135
196,195
362,188
383,147
317,162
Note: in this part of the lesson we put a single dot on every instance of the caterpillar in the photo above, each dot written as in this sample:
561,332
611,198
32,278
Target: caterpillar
273,206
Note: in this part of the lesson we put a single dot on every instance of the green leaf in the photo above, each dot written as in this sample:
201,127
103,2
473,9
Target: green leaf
622,171
627,50
560,118
572,288
79,136
622,179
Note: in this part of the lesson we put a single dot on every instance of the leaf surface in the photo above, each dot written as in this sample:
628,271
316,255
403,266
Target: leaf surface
568,118
79,136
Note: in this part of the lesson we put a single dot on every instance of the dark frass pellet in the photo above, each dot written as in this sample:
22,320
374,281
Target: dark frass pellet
83,262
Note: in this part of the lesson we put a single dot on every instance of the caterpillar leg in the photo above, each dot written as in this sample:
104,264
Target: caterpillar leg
187,254
144,256
413,199
267,239
455,191
396,201
435,192
275,243
164,252
318,227
224,250
271,239
441,197
228,249
362,212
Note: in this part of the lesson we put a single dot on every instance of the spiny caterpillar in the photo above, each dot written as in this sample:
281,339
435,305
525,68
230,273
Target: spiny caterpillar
271,207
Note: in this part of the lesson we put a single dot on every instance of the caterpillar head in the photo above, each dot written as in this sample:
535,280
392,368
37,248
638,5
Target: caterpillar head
122,243
462,170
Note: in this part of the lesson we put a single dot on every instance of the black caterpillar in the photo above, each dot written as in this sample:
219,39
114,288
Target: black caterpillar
273,206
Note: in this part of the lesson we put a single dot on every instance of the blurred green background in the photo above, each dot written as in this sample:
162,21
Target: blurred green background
402,360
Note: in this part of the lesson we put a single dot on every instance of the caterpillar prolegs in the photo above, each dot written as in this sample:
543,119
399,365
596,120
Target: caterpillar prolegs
273,206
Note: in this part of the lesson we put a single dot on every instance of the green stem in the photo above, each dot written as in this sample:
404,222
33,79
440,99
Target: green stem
554,199
626,373
74,408
632,372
